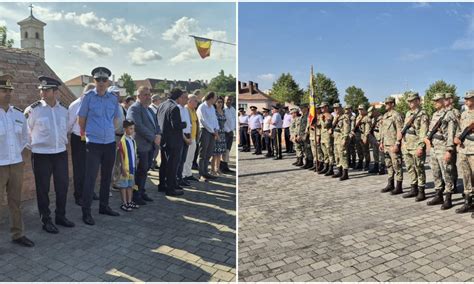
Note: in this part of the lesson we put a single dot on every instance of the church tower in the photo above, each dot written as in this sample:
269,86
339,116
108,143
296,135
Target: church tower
32,34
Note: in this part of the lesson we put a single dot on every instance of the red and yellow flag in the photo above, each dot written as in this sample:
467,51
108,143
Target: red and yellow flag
312,99
203,46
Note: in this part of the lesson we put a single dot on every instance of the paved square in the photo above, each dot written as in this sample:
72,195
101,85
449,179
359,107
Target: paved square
296,225
189,238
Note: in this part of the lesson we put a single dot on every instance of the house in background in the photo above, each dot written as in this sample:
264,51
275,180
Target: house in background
251,95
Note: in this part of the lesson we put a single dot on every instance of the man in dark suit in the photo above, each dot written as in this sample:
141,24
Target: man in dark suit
169,120
147,136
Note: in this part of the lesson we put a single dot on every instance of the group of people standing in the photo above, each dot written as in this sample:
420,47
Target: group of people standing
120,137
331,142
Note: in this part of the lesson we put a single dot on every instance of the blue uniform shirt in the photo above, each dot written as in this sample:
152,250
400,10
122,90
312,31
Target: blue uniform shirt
100,112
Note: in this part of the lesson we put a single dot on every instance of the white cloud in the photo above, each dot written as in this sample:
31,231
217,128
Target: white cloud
179,34
140,56
46,15
267,77
466,42
413,56
421,5
92,49
58,46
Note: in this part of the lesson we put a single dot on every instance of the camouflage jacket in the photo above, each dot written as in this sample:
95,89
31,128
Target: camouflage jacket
295,126
392,123
467,117
444,136
414,138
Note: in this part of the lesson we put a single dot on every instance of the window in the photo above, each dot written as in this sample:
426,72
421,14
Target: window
37,35
26,34
243,105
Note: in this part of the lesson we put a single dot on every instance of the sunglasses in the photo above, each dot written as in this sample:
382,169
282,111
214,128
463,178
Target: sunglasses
103,80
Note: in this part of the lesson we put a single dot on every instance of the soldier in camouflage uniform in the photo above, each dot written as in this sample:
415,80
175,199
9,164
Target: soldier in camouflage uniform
294,130
374,140
448,105
319,125
312,140
342,129
327,141
441,152
466,151
364,133
304,137
357,134
414,148
351,147
392,124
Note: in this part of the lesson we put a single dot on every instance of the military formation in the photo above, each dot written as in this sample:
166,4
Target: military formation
330,143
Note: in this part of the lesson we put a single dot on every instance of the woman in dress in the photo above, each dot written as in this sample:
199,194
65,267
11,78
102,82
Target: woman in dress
220,148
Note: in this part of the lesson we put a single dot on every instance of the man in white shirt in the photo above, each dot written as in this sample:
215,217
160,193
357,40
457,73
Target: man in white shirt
287,118
267,122
13,139
47,128
244,137
182,101
229,128
277,123
208,134
255,129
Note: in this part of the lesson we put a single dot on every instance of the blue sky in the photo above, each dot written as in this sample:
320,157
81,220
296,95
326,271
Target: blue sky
382,48
146,40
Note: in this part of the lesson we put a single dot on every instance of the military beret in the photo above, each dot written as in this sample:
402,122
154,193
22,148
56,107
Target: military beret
275,107
265,109
469,94
324,104
413,96
390,99
253,107
336,105
101,72
448,96
48,83
6,82
294,110
361,106
438,96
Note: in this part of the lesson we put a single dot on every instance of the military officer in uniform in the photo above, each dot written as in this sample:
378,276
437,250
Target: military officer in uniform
341,138
364,133
327,141
351,147
255,129
244,137
47,122
392,124
304,137
442,128
448,105
466,151
276,129
294,136
374,140
312,131
414,148
267,135
13,139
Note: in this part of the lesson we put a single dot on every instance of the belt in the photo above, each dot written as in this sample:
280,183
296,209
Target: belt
255,129
244,125
376,130
337,130
411,132
438,136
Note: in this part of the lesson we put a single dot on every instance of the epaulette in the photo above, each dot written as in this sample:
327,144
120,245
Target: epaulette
63,105
35,104
18,109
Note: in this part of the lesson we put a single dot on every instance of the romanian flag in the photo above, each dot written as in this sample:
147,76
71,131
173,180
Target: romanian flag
203,46
312,99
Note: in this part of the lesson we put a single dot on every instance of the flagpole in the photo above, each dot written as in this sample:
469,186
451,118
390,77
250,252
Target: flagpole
315,118
215,40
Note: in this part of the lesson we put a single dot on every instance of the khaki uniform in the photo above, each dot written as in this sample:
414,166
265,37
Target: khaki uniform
414,140
392,123
466,153
342,131
373,139
327,141
457,115
305,138
351,146
443,172
294,131
364,133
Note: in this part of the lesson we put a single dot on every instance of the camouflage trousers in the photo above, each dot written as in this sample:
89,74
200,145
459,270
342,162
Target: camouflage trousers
299,146
467,166
351,149
341,151
372,141
358,147
328,151
443,172
307,149
415,167
316,149
393,162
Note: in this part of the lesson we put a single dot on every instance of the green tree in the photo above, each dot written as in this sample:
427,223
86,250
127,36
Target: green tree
355,97
439,86
222,84
324,89
128,84
402,106
163,85
285,89
3,38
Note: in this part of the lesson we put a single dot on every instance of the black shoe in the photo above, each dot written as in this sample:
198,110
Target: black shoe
24,241
79,202
174,192
438,199
95,197
191,178
390,186
330,171
375,169
184,183
325,169
447,202
338,173
209,176
146,198
345,175
421,194
413,192
63,221
88,220
139,201
467,205
108,211
228,171
382,170
398,188
49,227
162,188
178,187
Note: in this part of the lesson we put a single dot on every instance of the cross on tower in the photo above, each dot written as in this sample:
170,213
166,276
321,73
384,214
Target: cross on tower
31,9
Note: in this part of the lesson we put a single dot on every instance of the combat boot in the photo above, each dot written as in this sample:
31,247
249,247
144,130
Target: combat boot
330,171
345,175
447,202
398,189
382,170
338,174
320,166
366,167
421,194
296,162
438,199
413,192
467,205
315,166
375,169
390,186
308,164
325,169
300,162
360,165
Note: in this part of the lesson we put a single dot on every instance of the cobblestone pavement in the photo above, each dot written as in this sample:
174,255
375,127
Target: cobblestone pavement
189,238
296,225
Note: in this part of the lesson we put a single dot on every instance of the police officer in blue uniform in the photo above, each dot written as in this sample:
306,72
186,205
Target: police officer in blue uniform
47,127
97,117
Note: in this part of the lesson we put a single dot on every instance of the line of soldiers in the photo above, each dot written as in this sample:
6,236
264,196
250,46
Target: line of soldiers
334,140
